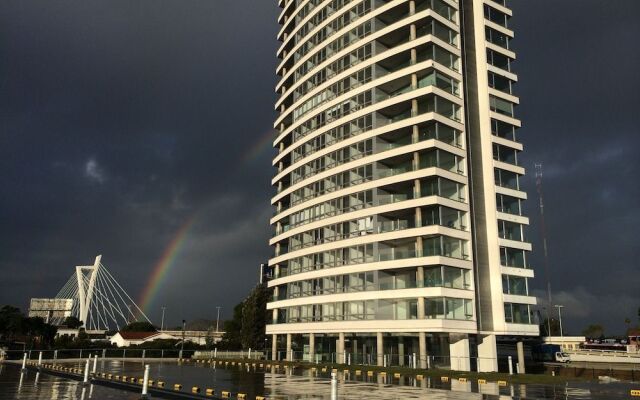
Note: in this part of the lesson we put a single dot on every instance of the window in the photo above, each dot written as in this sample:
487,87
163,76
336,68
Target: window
501,106
517,313
515,285
510,230
508,204
503,130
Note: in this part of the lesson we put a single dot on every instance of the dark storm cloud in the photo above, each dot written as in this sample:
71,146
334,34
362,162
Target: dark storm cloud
120,120
580,90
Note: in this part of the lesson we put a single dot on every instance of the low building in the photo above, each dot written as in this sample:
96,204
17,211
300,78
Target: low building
566,343
126,339
197,337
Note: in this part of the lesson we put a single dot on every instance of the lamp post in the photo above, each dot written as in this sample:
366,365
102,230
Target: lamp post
184,323
162,323
559,307
218,319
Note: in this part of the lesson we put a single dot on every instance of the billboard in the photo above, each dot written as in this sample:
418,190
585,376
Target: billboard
51,309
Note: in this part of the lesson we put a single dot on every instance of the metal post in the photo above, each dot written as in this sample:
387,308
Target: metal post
184,323
86,373
24,362
104,353
55,355
559,307
144,354
215,353
510,366
39,359
80,354
414,361
218,319
162,323
334,386
249,355
145,381
518,368
95,364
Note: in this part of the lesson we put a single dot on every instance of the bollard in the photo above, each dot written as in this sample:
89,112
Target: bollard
24,362
145,382
215,353
144,353
86,373
39,359
55,355
104,353
510,365
95,364
334,386
518,368
249,356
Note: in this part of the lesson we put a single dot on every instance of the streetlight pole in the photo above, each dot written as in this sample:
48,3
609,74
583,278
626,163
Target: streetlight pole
162,323
559,307
184,322
218,319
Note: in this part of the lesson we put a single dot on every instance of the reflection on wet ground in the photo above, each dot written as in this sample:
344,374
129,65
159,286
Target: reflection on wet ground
32,385
298,385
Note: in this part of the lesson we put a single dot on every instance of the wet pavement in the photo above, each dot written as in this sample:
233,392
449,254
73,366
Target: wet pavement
293,384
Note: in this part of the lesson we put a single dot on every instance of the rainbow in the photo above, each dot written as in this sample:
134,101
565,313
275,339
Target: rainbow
164,264
260,146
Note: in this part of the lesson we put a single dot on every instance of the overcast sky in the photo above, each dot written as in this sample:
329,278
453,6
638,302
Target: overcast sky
120,120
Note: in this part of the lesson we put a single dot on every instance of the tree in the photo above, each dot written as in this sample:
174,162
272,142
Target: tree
139,326
11,322
254,318
72,322
594,331
232,329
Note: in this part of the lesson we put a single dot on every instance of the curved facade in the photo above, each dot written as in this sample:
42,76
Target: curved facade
398,227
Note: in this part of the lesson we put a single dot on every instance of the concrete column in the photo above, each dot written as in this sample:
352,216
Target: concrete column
401,351
289,358
380,350
487,353
274,347
312,347
459,351
520,347
422,343
354,350
340,349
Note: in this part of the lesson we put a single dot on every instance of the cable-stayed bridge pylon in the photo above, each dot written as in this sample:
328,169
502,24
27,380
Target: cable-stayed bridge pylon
99,301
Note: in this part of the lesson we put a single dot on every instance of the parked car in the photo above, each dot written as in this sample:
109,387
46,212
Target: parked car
562,357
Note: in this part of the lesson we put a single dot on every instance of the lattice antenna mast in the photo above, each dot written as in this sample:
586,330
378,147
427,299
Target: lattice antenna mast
99,301
543,230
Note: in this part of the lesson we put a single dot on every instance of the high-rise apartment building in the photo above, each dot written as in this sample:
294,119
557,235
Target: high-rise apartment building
398,213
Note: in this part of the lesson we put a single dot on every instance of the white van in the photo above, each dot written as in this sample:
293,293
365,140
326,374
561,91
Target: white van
562,357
